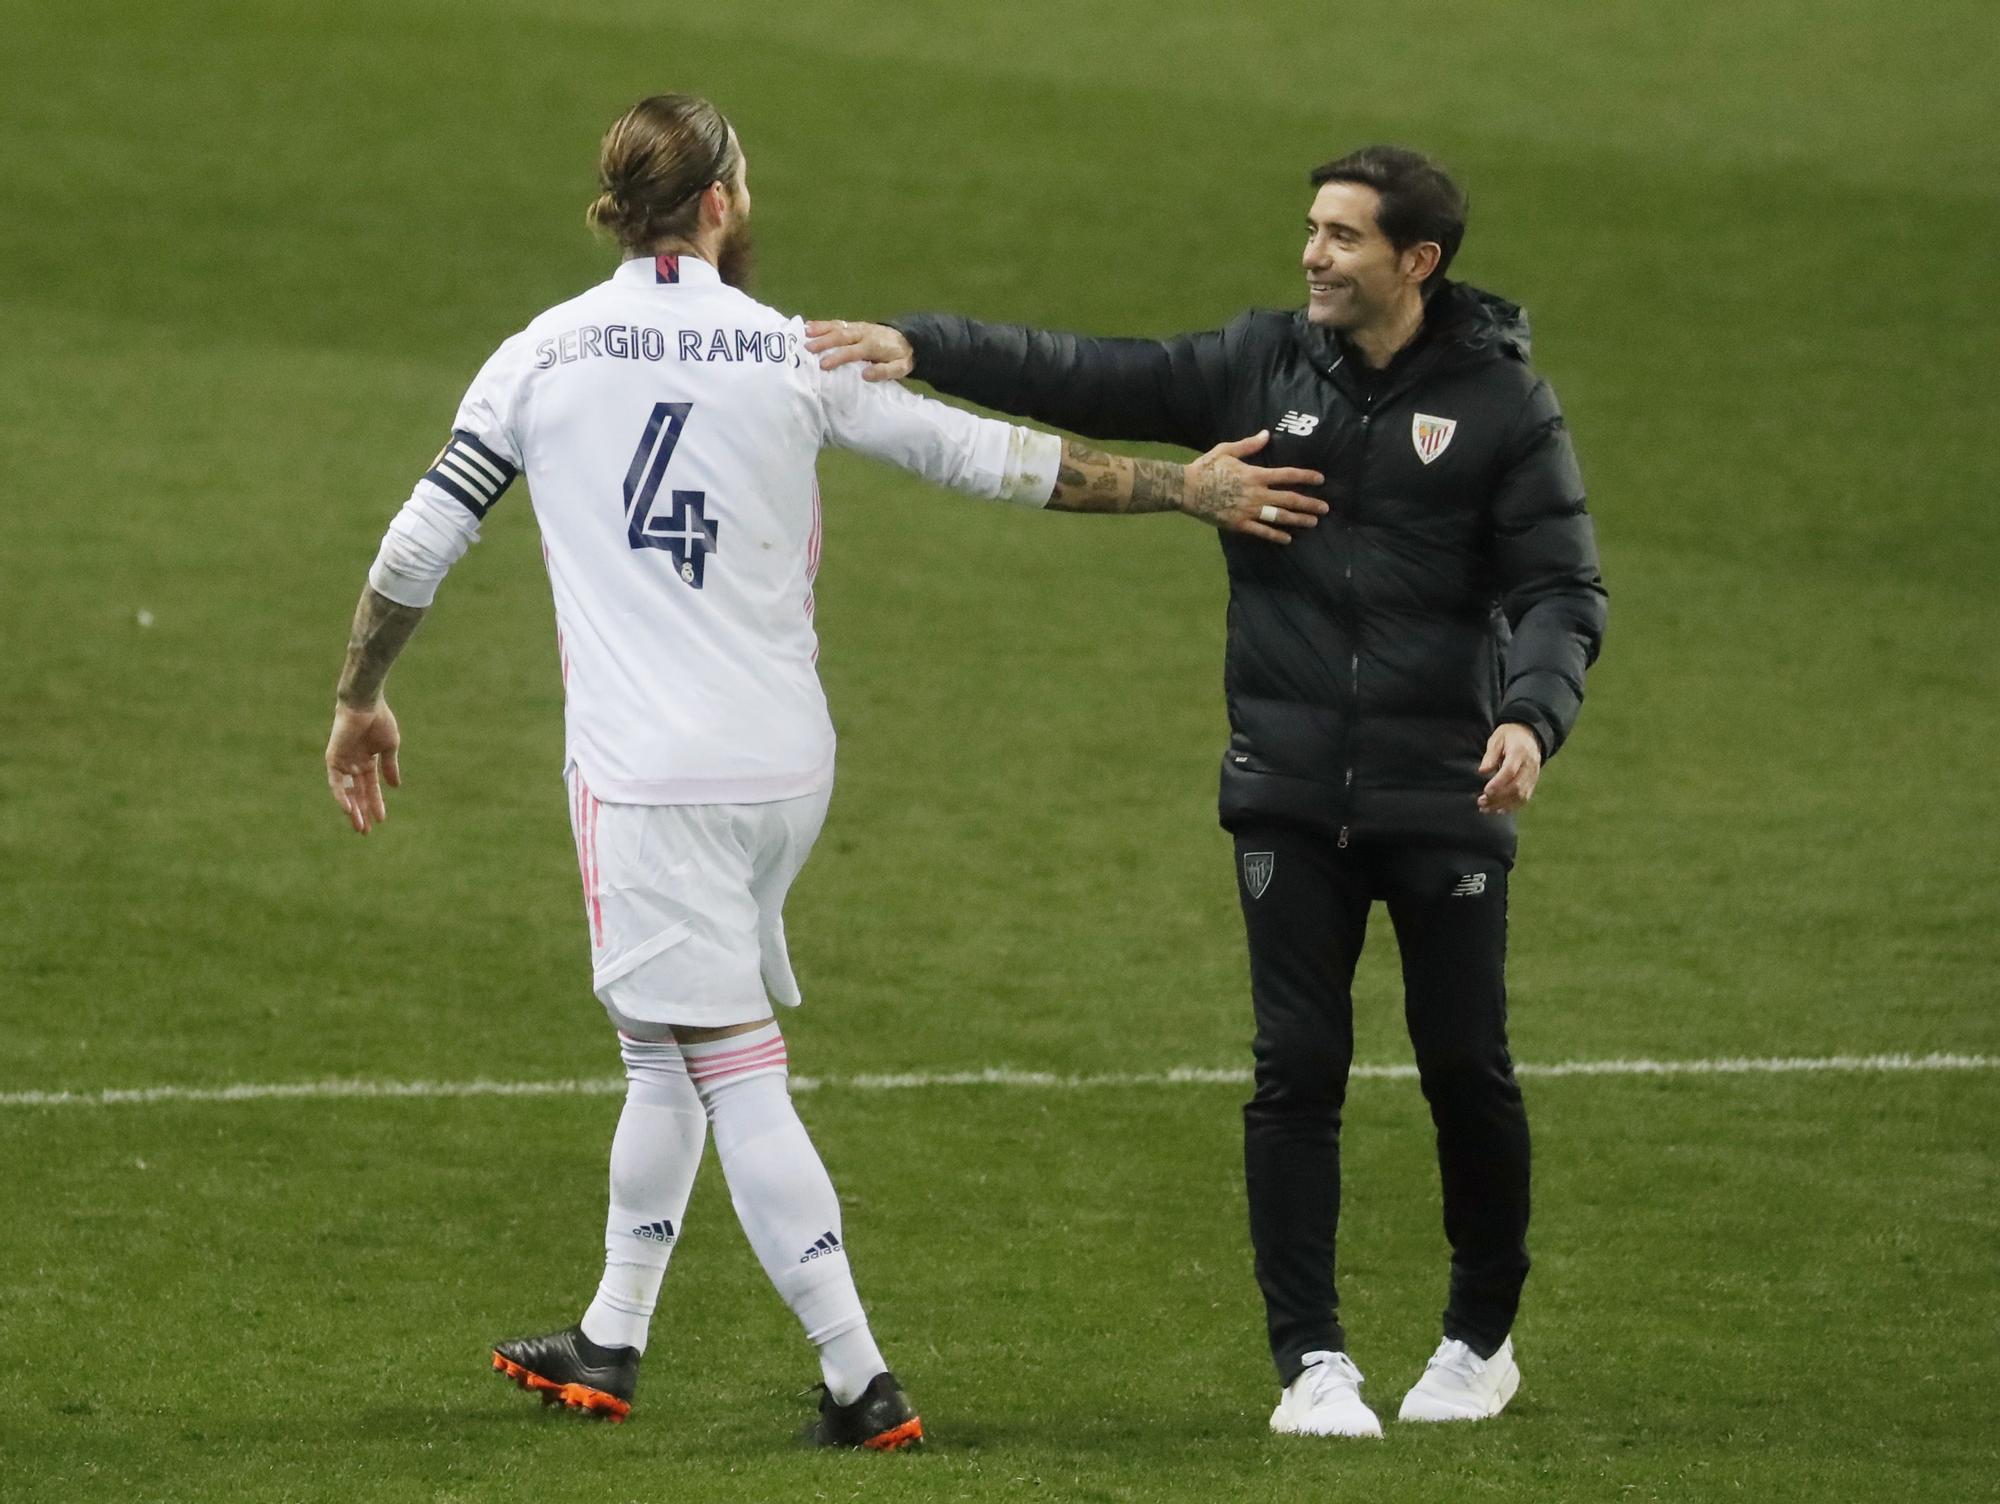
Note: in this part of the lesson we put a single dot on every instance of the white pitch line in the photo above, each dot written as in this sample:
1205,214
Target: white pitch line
1189,1075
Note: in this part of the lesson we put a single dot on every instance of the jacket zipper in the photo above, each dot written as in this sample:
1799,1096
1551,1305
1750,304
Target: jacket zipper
1354,631
1410,381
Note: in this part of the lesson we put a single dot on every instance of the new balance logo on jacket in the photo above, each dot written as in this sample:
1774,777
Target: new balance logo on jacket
661,1231
823,1245
1298,423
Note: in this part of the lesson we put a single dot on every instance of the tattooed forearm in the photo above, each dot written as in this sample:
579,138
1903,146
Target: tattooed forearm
381,627
1158,486
1218,488
1089,480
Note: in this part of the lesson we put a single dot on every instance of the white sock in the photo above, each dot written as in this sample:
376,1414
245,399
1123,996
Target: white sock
654,1156
784,1199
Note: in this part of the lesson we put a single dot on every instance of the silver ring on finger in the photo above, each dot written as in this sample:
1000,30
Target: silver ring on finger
1269,514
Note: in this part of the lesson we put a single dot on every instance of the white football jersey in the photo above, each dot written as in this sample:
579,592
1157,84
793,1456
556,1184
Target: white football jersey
668,426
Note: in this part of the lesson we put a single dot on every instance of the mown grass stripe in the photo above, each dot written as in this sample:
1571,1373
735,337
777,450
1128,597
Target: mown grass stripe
269,1091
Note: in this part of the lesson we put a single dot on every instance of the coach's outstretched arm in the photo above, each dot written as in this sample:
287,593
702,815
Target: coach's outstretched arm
1165,391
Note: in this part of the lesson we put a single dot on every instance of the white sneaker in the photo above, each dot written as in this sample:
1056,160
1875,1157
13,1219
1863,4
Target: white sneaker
1458,1384
1325,1400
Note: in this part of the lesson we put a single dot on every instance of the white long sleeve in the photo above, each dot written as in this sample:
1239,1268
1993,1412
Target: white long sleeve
429,535
945,445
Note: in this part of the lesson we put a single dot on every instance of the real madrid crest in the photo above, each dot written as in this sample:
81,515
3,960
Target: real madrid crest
1431,435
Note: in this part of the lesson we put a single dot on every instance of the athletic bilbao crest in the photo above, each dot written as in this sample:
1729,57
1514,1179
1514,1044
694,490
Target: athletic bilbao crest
1257,867
1431,435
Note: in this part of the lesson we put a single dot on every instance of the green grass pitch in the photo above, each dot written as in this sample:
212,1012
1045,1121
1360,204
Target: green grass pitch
249,257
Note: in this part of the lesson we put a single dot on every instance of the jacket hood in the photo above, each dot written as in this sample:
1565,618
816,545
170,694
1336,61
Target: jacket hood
1461,323
1477,320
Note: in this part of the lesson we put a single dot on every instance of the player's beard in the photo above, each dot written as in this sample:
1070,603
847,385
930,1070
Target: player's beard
736,260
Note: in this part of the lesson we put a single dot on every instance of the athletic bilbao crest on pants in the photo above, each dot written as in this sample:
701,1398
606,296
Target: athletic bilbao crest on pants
1431,435
1257,868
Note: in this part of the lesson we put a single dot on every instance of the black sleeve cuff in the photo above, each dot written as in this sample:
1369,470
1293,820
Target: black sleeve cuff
920,329
1526,713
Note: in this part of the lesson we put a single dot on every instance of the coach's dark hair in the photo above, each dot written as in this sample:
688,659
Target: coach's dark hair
656,160
1419,200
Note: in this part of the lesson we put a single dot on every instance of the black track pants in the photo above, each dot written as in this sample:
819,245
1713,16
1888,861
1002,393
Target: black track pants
1305,906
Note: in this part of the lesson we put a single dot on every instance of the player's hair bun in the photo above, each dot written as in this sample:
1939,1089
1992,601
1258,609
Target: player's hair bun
610,214
655,161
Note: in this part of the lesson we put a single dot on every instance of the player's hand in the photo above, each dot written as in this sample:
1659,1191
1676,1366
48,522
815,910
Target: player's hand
1514,758
1238,498
838,343
360,758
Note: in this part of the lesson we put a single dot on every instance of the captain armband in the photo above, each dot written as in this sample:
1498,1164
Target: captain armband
470,473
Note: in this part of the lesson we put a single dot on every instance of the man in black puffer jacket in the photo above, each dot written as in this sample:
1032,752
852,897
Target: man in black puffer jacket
1396,678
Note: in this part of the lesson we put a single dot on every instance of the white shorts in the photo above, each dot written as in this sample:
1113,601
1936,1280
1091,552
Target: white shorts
685,904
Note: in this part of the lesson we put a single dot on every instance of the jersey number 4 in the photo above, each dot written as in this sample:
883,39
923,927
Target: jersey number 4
683,530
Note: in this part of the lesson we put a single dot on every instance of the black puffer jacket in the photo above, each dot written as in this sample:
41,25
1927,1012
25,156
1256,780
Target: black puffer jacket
1452,586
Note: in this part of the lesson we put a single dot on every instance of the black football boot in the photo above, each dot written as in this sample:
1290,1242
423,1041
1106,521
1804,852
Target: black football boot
567,1368
882,1419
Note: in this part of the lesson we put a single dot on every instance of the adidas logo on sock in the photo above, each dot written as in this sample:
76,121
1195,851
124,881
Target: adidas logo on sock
823,1245
659,1232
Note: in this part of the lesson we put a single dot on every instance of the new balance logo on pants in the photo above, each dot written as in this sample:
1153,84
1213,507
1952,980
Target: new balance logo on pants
1470,886
823,1245
658,1232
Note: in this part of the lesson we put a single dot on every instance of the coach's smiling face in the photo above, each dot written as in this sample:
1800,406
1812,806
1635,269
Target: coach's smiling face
1354,276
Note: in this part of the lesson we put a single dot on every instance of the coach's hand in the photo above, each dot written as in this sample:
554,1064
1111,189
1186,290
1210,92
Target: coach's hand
360,758
1514,758
1238,498
838,343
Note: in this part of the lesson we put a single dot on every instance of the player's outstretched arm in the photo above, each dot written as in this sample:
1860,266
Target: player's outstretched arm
1001,461
1219,488
361,752
1163,391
